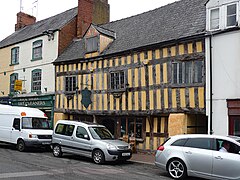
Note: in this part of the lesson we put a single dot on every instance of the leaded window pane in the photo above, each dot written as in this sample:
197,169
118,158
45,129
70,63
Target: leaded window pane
70,84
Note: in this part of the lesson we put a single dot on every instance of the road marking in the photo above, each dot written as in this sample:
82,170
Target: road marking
23,174
76,170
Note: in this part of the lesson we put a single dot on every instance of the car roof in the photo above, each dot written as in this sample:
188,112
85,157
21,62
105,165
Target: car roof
229,138
82,123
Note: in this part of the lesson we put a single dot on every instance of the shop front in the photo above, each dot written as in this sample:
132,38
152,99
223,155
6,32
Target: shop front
42,102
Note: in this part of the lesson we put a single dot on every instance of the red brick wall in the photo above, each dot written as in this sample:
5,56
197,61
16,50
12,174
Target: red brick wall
66,35
24,20
91,11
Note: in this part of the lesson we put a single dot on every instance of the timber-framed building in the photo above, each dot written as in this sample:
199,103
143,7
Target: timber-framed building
142,76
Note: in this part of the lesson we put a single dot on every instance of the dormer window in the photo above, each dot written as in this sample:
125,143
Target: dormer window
214,19
231,15
92,44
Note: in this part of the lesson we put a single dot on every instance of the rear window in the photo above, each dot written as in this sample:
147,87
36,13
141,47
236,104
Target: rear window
64,129
201,143
179,142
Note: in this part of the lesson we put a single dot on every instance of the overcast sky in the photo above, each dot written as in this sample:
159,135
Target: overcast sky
45,8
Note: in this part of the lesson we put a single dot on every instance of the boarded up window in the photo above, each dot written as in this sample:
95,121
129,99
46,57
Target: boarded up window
92,44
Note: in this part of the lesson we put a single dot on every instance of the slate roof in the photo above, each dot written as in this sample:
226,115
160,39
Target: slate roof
174,21
54,23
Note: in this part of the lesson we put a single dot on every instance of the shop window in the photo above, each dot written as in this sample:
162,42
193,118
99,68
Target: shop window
36,80
135,127
70,83
117,80
15,55
37,50
13,78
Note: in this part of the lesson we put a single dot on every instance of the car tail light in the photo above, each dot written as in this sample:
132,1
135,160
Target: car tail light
160,148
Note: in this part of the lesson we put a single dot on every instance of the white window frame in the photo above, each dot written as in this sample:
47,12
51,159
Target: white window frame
225,15
219,19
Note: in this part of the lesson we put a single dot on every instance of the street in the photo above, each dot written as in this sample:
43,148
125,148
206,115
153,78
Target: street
40,164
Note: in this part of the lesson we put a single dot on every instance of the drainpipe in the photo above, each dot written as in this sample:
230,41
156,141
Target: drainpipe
211,91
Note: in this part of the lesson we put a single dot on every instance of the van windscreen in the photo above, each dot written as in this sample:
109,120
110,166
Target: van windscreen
35,123
100,133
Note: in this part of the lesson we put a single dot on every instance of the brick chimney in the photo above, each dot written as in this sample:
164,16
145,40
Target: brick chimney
24,20
91,11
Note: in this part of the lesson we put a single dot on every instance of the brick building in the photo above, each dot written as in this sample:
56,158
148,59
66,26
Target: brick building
26,56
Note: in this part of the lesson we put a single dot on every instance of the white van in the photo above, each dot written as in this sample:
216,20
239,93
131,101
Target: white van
24,127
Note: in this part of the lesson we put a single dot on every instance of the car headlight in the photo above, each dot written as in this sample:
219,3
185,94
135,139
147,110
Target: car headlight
33,136
111,147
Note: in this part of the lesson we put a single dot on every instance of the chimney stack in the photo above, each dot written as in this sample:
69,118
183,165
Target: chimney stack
91,11
24,20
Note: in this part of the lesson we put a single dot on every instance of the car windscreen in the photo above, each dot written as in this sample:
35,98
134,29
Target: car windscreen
35,123
100,133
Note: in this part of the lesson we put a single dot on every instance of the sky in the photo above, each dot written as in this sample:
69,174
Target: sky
43,9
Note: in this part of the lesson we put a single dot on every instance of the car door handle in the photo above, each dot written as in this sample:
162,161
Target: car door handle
188,152
218,157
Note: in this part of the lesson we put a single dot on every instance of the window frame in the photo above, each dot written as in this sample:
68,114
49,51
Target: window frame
37,45
36,81
12,82
15,51
70,88
226,15
117,80
93,41
210,18
181,76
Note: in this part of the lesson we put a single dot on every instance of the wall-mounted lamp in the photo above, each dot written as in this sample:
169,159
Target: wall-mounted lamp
45,89
2,92
50,34
91,69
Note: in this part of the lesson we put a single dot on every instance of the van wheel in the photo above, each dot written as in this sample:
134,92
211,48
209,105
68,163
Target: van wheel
57,151
98,157
177,169
21,145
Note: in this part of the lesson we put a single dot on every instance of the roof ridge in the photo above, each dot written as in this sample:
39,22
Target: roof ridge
149,11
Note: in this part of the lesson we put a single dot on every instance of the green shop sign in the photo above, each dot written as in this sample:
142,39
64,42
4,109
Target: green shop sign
36,102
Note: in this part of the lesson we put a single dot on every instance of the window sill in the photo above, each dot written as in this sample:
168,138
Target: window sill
13,64
37,59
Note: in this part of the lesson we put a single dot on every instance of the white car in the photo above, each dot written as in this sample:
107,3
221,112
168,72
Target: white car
199,156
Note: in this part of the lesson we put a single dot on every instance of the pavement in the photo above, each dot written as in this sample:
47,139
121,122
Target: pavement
146,158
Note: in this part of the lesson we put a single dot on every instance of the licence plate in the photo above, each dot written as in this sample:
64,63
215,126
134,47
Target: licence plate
125,154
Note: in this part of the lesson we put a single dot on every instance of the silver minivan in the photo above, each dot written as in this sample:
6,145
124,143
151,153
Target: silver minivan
90,140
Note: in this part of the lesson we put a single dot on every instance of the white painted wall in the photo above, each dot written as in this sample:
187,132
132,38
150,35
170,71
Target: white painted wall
225,67
49,54
226,76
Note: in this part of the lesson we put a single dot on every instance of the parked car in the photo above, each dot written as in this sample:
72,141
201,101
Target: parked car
199,156
90,140
24,127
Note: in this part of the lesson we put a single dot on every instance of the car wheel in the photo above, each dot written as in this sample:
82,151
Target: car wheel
98,157
21,145
177,169
57,151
